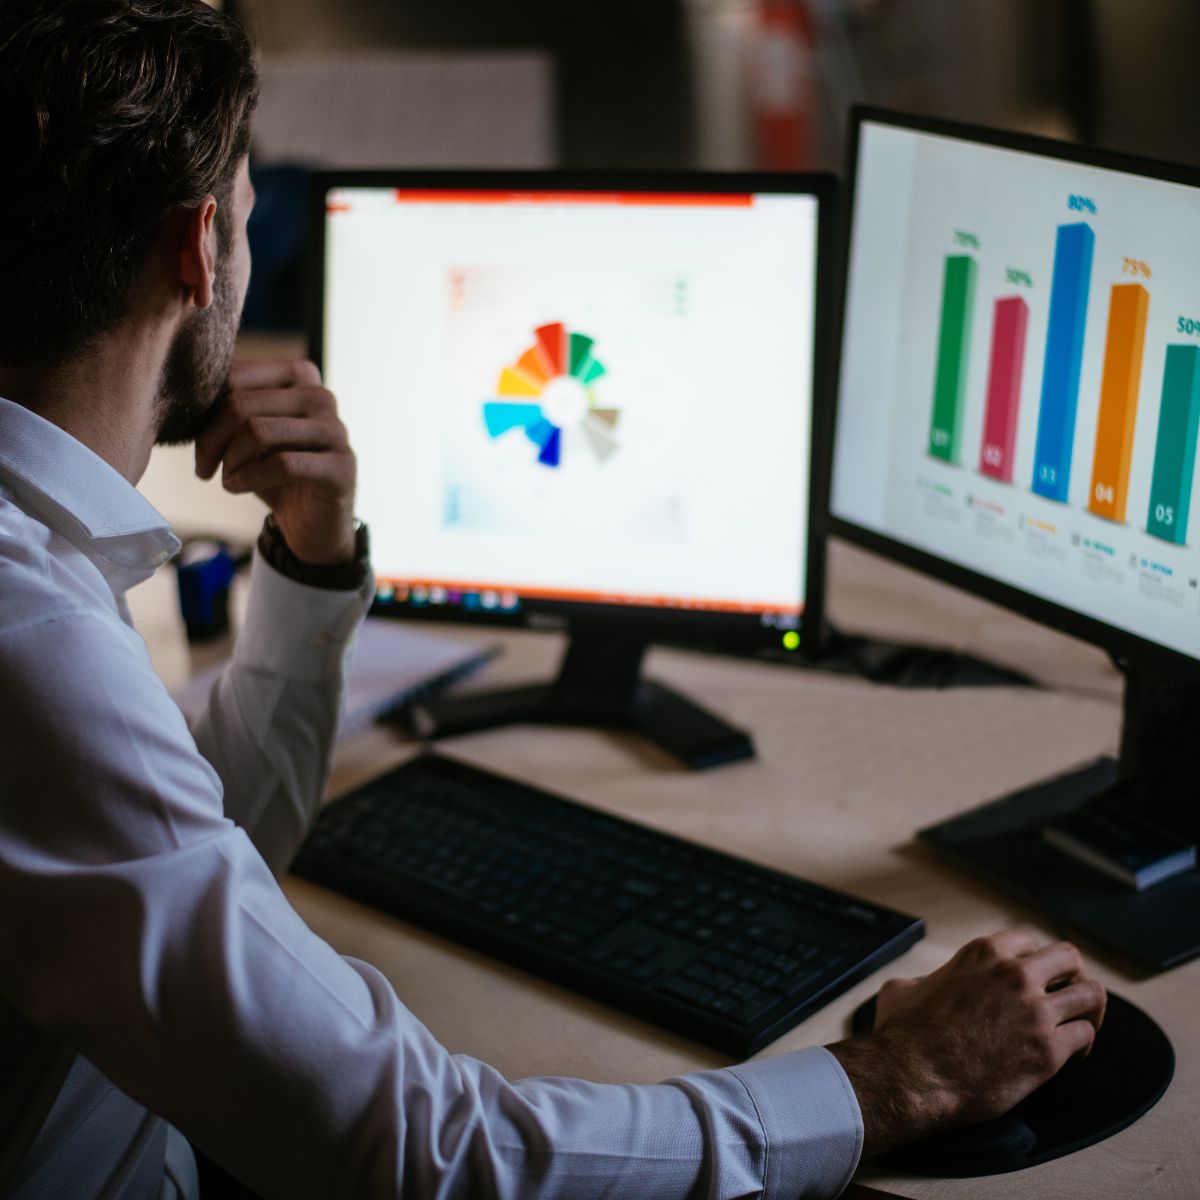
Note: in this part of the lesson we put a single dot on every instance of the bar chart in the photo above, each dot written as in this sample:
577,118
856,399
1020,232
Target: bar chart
1019,383
1076,287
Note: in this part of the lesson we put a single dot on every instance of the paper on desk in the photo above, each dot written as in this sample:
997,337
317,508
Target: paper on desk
393,665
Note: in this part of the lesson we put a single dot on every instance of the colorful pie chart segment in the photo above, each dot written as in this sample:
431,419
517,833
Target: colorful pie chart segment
548,393
501,417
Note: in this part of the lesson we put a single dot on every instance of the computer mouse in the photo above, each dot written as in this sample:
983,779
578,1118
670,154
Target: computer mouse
1090,1099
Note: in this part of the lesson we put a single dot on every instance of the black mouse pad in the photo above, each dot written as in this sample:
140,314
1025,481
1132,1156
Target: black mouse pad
1091,1098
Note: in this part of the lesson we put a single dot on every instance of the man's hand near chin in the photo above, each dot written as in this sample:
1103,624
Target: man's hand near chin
277,435
971,1039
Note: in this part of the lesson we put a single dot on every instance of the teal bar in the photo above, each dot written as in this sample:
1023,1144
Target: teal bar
1175,450
954,351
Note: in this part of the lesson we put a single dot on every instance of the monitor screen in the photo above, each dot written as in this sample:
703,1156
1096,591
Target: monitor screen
577,394
1019,389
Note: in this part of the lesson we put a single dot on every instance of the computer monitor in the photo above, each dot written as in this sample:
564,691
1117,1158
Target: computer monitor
1018,400
582,402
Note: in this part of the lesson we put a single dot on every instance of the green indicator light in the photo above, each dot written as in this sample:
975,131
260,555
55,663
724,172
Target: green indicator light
791,640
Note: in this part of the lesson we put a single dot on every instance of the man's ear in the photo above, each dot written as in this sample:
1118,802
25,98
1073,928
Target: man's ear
198,251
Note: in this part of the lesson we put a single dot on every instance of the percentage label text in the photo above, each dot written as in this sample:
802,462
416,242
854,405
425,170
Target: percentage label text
962,238
1081,204
1020,278
1189,326
1135,266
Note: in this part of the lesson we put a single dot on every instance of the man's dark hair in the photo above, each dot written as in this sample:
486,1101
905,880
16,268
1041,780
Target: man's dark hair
112,112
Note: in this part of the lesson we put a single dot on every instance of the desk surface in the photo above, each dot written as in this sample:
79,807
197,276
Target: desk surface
845,772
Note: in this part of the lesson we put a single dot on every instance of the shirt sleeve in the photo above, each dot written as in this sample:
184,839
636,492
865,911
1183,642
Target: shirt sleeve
271,719
154,939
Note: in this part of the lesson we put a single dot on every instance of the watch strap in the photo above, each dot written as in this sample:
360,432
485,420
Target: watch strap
343,576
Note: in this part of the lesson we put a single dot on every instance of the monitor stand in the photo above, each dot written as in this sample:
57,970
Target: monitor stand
598,683
1156,775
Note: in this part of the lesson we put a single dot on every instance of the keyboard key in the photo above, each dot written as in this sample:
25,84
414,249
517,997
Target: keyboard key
742,989
720,1005
754,1007
764,977
796,984
641,887
644,950
691,990
643,972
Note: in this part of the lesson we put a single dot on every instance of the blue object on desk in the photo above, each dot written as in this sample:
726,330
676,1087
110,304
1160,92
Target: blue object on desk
205,570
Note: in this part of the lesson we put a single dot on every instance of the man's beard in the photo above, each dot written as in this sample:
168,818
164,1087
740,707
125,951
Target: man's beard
195,376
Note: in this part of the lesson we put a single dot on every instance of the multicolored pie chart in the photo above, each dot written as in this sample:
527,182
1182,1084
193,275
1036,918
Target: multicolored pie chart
549,392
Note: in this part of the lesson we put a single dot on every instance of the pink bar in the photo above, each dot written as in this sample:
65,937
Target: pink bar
1004,388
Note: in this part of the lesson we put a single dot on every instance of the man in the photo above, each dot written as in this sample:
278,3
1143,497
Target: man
151,971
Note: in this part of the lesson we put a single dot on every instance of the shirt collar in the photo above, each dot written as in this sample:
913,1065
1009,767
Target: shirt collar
69,488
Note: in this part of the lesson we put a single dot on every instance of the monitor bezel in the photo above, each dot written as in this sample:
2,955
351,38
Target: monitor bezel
732,630
1124,647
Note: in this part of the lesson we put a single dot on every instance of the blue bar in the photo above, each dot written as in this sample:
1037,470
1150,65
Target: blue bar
1064,357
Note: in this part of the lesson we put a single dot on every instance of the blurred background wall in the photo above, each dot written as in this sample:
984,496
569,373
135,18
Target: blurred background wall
723,84
644,83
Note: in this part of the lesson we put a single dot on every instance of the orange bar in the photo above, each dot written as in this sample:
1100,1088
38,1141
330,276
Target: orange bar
1118,400
566,594
687,199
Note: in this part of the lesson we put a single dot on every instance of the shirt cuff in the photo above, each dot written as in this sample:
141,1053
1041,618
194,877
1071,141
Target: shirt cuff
297,631
811,1121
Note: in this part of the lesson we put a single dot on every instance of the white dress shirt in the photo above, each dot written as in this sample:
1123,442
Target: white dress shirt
149,957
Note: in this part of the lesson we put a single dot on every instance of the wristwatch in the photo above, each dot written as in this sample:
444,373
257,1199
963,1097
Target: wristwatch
343,576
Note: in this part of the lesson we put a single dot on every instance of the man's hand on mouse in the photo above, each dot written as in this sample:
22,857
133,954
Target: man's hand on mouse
277,434
971,1039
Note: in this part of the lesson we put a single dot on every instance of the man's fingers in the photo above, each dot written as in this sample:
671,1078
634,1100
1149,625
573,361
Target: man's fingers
260,436
1086,999
292,466
1058,963
1075,1037
240,406
892,996
1008,943
282,373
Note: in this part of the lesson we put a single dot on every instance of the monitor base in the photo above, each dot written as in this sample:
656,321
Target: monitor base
1002,843
599,683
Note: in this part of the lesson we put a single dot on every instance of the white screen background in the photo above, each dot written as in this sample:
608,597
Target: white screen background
914,192
703,318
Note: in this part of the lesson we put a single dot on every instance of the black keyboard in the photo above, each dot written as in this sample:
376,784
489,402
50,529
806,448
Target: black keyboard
704,944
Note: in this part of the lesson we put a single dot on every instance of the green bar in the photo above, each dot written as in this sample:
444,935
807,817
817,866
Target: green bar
581,347
1175,450
954,352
